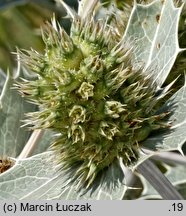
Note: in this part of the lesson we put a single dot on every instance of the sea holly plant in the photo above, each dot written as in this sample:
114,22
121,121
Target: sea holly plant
99,106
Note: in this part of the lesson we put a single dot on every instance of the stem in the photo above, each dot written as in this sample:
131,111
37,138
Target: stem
167,157
31,144
160,183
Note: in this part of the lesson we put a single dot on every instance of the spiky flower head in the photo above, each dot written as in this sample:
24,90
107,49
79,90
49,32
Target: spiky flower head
91,94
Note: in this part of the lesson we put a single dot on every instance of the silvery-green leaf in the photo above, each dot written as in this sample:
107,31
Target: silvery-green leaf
36,178
176,175
45,142
175,137
59,188
154,28
12,110
27,176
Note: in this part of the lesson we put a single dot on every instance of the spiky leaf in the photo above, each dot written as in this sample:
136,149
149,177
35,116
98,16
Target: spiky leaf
154,27
174,138
12,109
34,178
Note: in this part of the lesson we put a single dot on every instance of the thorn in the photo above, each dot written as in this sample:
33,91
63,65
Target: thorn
71,12
181,50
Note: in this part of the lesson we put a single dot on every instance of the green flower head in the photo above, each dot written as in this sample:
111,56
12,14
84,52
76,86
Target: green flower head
89,92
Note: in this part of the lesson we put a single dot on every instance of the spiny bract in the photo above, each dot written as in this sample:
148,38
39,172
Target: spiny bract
89,92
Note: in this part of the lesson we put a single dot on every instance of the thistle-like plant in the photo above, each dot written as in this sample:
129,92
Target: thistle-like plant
100,89
89,91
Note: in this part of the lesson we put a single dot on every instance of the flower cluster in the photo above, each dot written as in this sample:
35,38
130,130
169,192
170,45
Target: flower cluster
90,93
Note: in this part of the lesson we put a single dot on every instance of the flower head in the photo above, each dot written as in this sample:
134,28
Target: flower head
89,91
